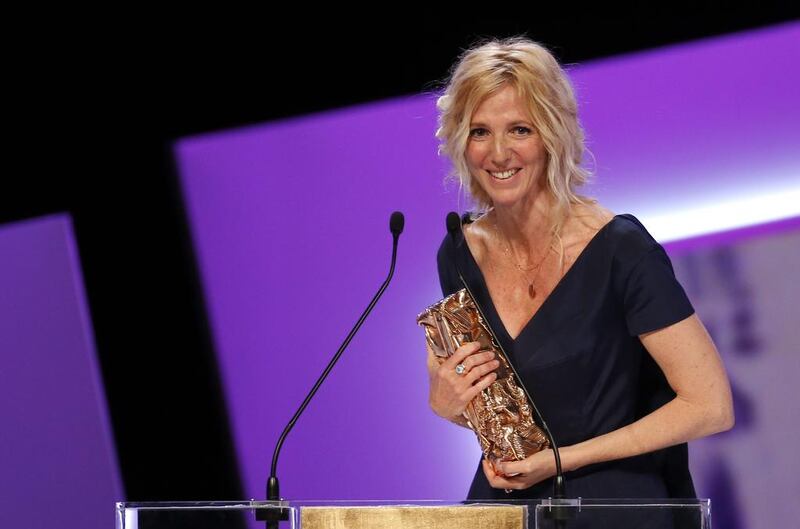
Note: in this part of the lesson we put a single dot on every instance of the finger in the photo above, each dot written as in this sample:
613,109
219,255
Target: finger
482,358
461,353
540,462
488,470
477,359
499,482
479,386
479,371
510,468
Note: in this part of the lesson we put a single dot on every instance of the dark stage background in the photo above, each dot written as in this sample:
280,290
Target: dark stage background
93,116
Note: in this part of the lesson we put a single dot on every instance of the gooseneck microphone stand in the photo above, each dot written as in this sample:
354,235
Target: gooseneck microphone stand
558,514
273,516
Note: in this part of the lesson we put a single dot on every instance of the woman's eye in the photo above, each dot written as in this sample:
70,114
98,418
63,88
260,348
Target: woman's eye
478,133
522,131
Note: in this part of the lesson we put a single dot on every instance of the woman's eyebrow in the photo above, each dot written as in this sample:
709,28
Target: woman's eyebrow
512,124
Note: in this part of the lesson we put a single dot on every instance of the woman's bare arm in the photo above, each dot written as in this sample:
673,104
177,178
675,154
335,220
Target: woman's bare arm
703,406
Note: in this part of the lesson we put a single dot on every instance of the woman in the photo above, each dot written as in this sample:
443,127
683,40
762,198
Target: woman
584,302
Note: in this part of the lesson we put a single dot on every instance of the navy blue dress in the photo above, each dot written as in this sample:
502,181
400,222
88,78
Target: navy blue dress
582,362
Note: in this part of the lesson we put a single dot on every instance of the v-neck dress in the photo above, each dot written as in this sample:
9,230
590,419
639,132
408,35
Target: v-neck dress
582,361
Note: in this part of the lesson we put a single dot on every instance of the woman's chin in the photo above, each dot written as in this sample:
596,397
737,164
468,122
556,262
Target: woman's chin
515,197
506,200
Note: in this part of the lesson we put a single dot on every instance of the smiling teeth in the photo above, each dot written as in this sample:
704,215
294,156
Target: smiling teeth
505,175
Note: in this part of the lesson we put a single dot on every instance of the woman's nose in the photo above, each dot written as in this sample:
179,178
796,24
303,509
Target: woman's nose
501,153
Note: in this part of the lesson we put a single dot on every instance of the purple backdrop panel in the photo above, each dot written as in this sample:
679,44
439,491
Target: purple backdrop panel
291,229
56,449
700,137
746,294
289,222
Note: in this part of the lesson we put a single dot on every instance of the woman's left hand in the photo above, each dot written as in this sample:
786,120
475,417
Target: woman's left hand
529,471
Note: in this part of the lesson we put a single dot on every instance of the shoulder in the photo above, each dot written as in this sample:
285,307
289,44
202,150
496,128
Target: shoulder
476,234
445,252
588,220
635,256
583,222
630,239
624,237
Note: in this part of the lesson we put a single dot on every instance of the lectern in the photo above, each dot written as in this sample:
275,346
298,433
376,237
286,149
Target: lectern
429,514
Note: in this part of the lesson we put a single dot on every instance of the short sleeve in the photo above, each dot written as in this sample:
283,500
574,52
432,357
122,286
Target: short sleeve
652,297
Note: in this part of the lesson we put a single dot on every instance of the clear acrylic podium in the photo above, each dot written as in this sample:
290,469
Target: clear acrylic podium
512,514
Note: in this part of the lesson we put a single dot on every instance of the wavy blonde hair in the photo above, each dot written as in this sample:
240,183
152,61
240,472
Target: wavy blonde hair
540,81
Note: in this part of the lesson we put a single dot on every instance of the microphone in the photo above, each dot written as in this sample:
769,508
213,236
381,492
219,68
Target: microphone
272,517
453,223
396,223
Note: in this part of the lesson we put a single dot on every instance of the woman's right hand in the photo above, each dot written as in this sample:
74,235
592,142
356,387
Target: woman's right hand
450,392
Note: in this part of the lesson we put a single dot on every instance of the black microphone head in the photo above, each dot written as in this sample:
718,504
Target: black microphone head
396,223
453,223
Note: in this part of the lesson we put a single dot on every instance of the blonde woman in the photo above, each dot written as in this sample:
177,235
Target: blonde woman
584,301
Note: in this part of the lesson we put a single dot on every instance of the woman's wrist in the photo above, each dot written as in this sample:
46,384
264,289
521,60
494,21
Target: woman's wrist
573,457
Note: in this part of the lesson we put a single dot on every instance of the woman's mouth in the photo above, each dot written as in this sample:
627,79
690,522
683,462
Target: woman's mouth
504,175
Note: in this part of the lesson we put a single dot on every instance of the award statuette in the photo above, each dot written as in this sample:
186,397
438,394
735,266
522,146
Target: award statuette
501,415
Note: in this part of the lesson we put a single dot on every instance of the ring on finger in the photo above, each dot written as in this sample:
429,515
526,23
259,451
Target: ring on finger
461,369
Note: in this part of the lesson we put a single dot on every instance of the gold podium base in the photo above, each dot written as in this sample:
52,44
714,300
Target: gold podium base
415,517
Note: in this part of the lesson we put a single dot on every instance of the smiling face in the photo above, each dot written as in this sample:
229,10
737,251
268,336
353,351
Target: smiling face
504,152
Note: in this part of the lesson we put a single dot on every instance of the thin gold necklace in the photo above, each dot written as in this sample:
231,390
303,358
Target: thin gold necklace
524,271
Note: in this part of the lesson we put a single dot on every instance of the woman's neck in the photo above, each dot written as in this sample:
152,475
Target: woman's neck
527,224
